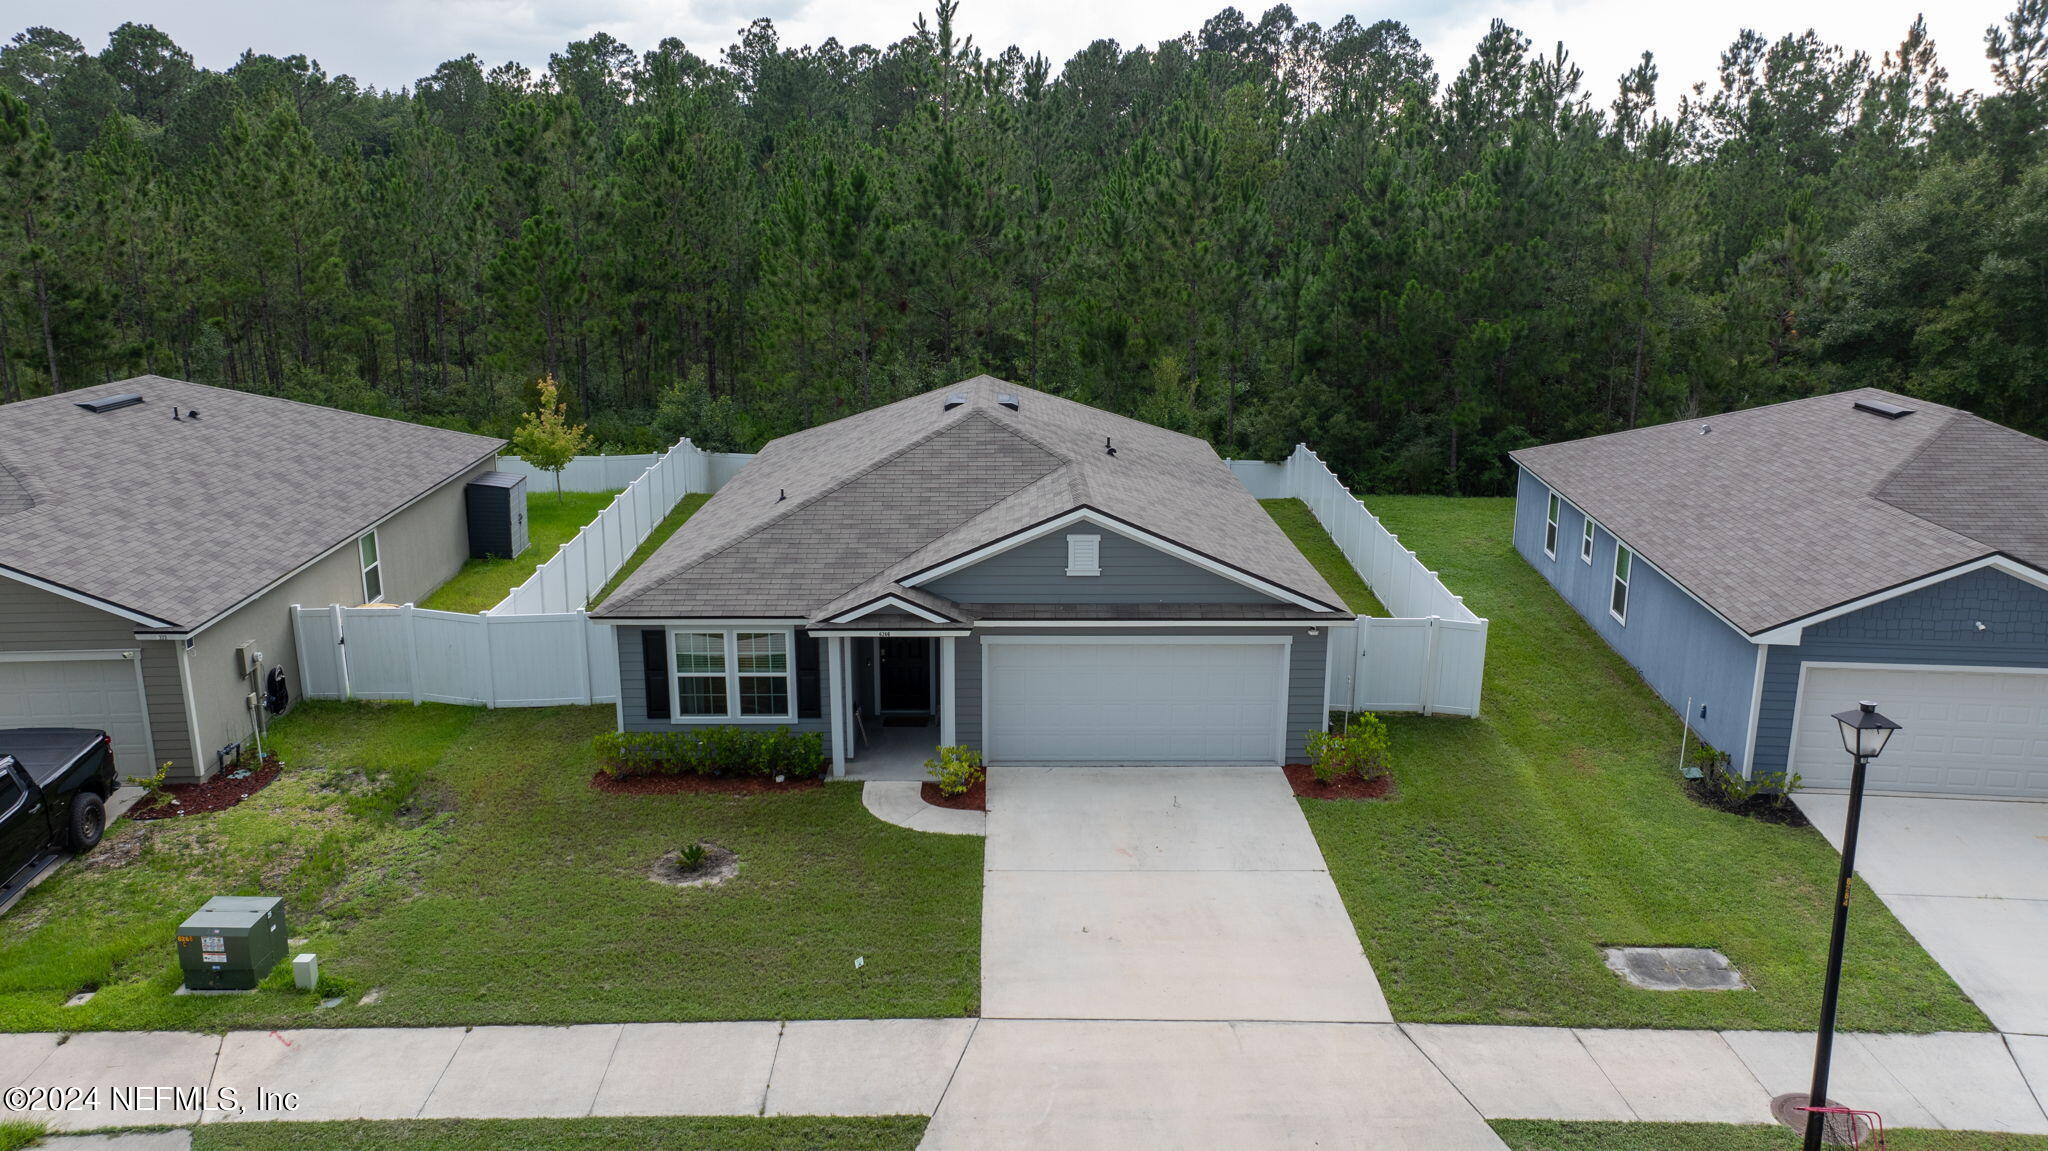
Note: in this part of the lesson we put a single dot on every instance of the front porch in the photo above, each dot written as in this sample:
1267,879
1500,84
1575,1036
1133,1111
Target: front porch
889,700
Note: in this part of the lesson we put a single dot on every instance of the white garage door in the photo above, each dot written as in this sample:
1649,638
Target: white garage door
78,689
1146,701
1961,732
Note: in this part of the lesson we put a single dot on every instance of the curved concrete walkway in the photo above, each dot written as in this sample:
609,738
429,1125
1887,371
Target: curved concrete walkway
901,802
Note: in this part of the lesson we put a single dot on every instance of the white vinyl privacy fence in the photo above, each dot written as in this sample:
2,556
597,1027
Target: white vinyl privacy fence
1430,654
610,473
537,647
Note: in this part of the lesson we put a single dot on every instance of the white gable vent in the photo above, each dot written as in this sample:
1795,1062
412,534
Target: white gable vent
1084,555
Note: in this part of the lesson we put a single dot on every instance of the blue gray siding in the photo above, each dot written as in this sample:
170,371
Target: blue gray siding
633,695
1305,675
1935,625
1683,651
1036,572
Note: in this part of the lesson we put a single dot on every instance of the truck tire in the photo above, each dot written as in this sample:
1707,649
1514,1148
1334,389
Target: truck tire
88,821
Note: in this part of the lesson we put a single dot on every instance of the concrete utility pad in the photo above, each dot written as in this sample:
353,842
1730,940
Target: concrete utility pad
1679,1076
1147,819
1115,1086
342,1073
1497,1069
1675,968
1969,879
1172,945
169,1068
1783,1062
688,1069
865,1066
524,1072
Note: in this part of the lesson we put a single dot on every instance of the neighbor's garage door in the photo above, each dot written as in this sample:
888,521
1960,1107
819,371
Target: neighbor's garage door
78,689
1134,701
1962,732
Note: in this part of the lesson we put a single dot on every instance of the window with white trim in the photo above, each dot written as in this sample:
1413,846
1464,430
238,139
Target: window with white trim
1550,528
1084,555
732,674
1586,541
373,569
1617,600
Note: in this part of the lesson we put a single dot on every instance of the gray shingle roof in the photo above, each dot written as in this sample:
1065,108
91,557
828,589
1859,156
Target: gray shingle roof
830,518
182,520
1779,512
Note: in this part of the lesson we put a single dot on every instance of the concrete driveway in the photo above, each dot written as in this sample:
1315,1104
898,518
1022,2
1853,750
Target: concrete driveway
1163,893
1969,879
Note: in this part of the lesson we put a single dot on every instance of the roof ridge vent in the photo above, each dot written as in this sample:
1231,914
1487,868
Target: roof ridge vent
1009,400
1881,408
109,403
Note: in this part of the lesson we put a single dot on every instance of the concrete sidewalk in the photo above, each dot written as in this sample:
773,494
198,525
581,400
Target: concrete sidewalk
828,1067
1068,1083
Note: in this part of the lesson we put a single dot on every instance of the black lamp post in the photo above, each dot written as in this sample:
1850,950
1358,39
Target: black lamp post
1864,733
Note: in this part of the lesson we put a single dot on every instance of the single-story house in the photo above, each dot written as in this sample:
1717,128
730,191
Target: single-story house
155,533
984,565
1769,567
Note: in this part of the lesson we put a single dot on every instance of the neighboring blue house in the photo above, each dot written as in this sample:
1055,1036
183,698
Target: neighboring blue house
1769,567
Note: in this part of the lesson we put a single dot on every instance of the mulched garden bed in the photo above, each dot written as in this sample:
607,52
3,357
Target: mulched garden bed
217,794
975,798
1770,808
696,784
1303,779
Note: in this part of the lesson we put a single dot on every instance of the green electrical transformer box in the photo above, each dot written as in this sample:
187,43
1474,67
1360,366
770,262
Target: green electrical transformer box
232,942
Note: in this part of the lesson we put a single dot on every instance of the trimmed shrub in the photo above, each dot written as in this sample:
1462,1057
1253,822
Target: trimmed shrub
762,751
957,768
1361,749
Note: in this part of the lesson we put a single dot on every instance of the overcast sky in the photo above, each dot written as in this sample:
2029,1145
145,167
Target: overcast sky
394,42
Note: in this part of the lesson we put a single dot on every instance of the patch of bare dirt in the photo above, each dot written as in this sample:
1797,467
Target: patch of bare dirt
718,865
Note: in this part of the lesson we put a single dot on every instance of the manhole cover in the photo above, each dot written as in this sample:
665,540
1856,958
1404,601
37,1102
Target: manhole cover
1675,968
1841,1130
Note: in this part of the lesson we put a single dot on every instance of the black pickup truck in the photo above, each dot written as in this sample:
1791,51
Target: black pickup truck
54,784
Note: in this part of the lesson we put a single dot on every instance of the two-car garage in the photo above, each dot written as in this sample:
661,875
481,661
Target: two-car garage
1125,699
1963,731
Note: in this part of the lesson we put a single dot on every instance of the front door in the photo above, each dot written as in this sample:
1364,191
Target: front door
906,674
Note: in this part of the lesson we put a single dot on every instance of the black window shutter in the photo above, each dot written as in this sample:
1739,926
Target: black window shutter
654,664
809,704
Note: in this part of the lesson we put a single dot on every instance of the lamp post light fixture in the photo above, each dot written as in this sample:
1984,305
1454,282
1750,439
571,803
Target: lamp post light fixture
1864,734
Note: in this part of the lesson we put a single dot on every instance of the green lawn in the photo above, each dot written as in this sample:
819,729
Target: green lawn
1547,1135
1525,840
666,528
550,523
1308,535
455,862
893,1133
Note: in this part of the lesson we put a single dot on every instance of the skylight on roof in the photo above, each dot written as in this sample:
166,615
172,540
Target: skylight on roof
1880,408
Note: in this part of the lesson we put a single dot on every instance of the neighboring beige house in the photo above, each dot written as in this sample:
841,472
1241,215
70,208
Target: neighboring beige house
155,533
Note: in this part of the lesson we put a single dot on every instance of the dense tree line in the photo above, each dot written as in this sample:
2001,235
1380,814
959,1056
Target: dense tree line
1262,232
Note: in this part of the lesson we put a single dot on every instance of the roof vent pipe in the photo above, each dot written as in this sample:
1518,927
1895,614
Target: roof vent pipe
175,415
1108,448
781,494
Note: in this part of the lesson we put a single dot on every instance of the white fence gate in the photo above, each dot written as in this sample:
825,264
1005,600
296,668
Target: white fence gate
1430,656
